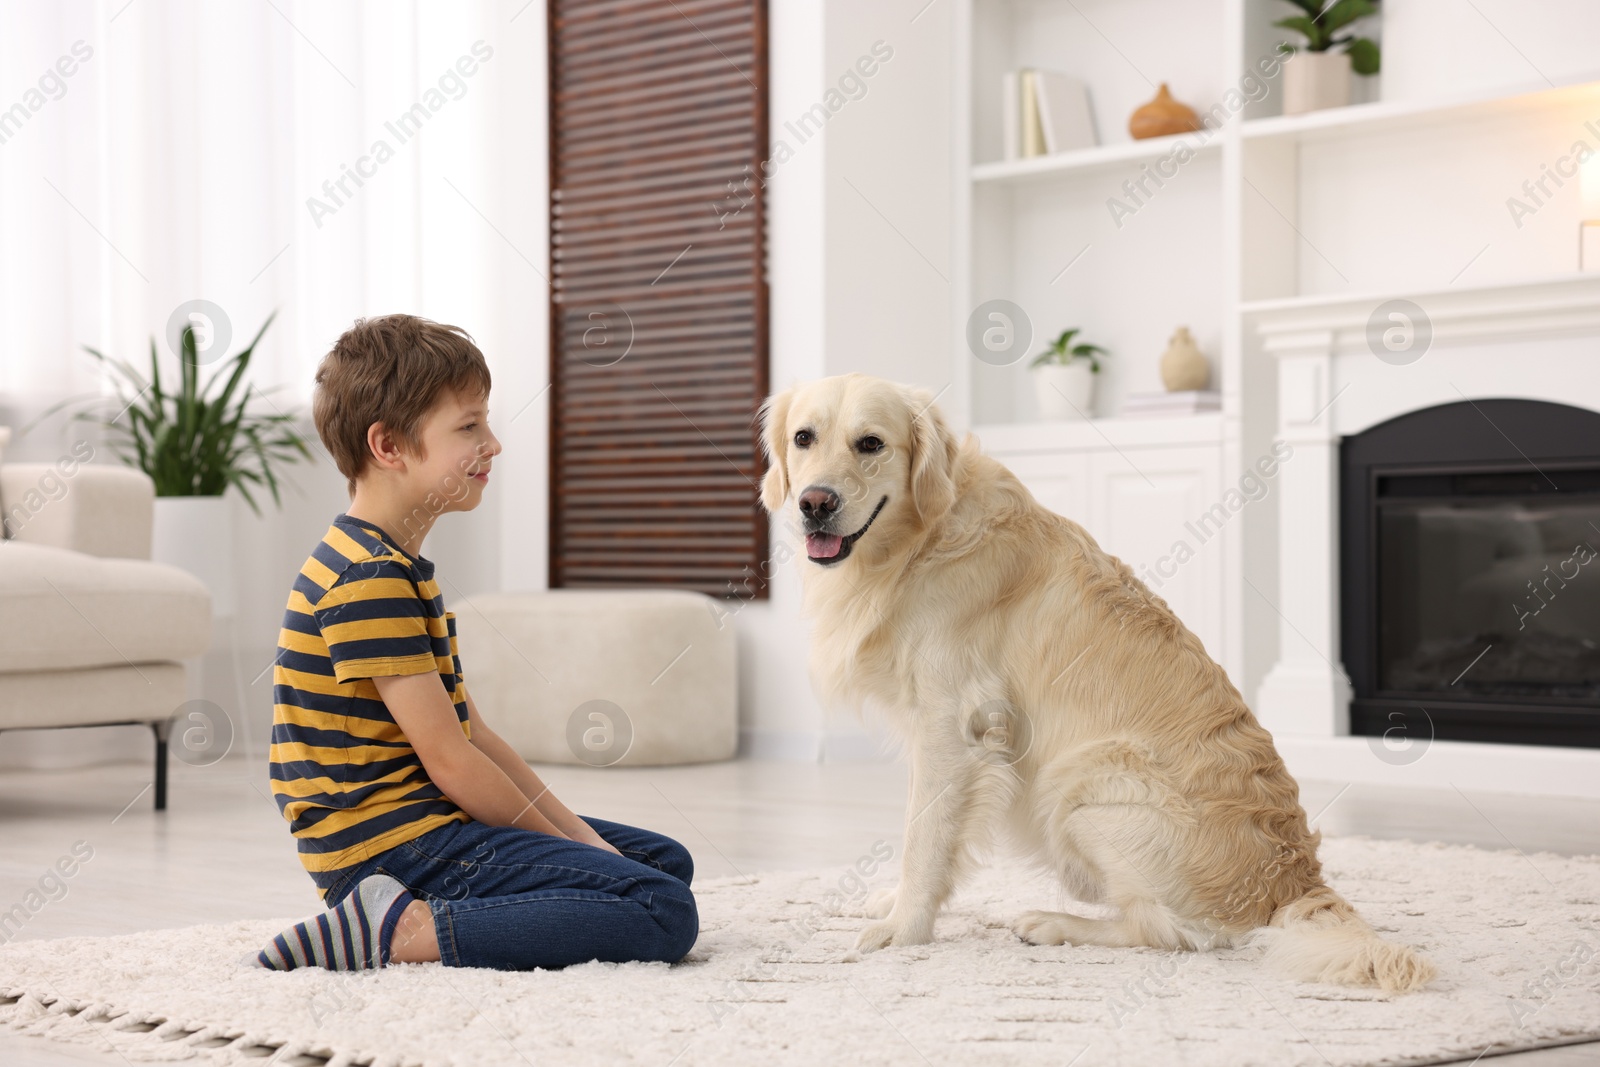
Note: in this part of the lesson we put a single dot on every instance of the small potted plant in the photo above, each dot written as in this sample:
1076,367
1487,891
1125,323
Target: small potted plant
1317,76
1064,376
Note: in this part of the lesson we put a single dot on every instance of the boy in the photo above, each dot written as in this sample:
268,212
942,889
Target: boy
427,836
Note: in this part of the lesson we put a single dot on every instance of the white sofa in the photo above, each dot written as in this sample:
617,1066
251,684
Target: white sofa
95,631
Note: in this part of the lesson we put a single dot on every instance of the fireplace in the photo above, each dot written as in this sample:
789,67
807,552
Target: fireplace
1469,538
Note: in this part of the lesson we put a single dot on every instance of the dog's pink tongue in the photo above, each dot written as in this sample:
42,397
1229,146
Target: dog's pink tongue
822,546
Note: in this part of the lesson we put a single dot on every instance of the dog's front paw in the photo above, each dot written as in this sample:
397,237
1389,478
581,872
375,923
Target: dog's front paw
1040,927
877,935
888,932
880,902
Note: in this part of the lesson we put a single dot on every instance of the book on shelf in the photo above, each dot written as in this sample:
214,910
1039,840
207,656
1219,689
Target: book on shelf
1044,112
1032,131
1161,405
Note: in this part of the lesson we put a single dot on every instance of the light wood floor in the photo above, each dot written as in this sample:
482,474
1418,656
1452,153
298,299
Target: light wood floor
221,852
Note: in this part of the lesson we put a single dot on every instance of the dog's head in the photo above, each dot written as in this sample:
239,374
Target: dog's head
856,454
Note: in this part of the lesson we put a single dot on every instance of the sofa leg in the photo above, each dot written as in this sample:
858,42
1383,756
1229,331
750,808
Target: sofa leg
162,730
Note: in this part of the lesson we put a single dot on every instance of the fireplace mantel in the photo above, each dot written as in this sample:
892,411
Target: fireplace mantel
1564,304
1536,340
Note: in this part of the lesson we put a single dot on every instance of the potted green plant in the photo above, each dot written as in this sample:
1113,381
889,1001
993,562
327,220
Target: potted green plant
1318,73
1064,377
194,445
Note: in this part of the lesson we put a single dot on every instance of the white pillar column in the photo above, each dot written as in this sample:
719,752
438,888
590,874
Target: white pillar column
1307,692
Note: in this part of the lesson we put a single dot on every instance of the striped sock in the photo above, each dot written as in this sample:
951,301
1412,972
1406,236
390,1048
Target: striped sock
353,936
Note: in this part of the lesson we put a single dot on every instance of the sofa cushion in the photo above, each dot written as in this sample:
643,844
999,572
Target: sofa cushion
147,692
61,609
103,509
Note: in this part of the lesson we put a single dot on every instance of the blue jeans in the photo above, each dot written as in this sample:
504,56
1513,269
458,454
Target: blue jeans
515,899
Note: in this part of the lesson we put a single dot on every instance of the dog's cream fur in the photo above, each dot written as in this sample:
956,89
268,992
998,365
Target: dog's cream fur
1039,686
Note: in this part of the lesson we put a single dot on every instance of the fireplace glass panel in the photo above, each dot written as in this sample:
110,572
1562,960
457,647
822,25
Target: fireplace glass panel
1489,598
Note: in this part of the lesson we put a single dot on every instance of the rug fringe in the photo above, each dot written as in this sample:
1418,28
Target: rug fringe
98,1024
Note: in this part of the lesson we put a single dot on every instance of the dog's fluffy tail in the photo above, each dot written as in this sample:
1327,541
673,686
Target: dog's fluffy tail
1321,938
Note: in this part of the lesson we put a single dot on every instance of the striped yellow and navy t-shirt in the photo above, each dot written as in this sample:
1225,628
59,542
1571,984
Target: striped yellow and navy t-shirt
343,773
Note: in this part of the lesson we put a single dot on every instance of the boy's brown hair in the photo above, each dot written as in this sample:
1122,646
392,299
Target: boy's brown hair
391,369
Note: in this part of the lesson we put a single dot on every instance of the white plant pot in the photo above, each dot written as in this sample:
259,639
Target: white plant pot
196,534
1065,391
1315,80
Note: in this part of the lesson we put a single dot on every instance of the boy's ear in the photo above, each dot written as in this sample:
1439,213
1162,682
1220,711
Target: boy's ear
774,441
383,447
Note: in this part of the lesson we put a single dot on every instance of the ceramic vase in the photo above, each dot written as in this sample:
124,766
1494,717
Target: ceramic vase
1066,391
1183,365
1315,80
196,534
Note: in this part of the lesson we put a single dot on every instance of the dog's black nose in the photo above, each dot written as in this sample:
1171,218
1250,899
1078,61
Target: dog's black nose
818,503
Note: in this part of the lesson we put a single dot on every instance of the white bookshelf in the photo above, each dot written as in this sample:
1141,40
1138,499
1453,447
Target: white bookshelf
1085,160
1271,208
1020,223
1385,116
1402,192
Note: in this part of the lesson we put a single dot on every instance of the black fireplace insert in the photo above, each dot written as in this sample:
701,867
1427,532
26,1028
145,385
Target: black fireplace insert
1470,573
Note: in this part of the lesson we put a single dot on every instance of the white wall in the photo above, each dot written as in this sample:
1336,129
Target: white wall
777,715
889,193
1432,47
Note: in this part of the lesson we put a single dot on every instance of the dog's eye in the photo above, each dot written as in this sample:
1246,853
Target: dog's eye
870,443
803,438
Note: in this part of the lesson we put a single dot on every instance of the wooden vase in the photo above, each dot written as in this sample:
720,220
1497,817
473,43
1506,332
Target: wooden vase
1161,117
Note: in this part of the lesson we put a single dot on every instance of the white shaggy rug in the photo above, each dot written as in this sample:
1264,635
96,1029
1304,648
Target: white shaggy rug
772,980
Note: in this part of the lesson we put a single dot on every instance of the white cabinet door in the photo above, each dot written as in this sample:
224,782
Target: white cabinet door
1155,509
1058,480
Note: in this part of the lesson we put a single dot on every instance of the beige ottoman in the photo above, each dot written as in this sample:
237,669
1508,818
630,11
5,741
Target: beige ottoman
603,677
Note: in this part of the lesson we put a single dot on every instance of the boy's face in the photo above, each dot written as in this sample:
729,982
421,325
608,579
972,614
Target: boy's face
459,448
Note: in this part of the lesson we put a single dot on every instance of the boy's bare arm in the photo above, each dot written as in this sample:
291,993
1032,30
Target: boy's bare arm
516,768
465,773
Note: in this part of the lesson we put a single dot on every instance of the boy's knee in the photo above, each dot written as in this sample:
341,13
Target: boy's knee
677,862
673,907
684,933
669,855
685,943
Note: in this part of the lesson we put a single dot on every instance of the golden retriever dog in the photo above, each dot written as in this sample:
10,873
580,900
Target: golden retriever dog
1042,691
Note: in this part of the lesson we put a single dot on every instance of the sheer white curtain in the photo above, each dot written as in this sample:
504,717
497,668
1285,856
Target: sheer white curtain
176,161
328,160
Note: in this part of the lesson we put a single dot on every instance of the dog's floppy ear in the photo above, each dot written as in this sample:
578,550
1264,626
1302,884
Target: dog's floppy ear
774,420
933,456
